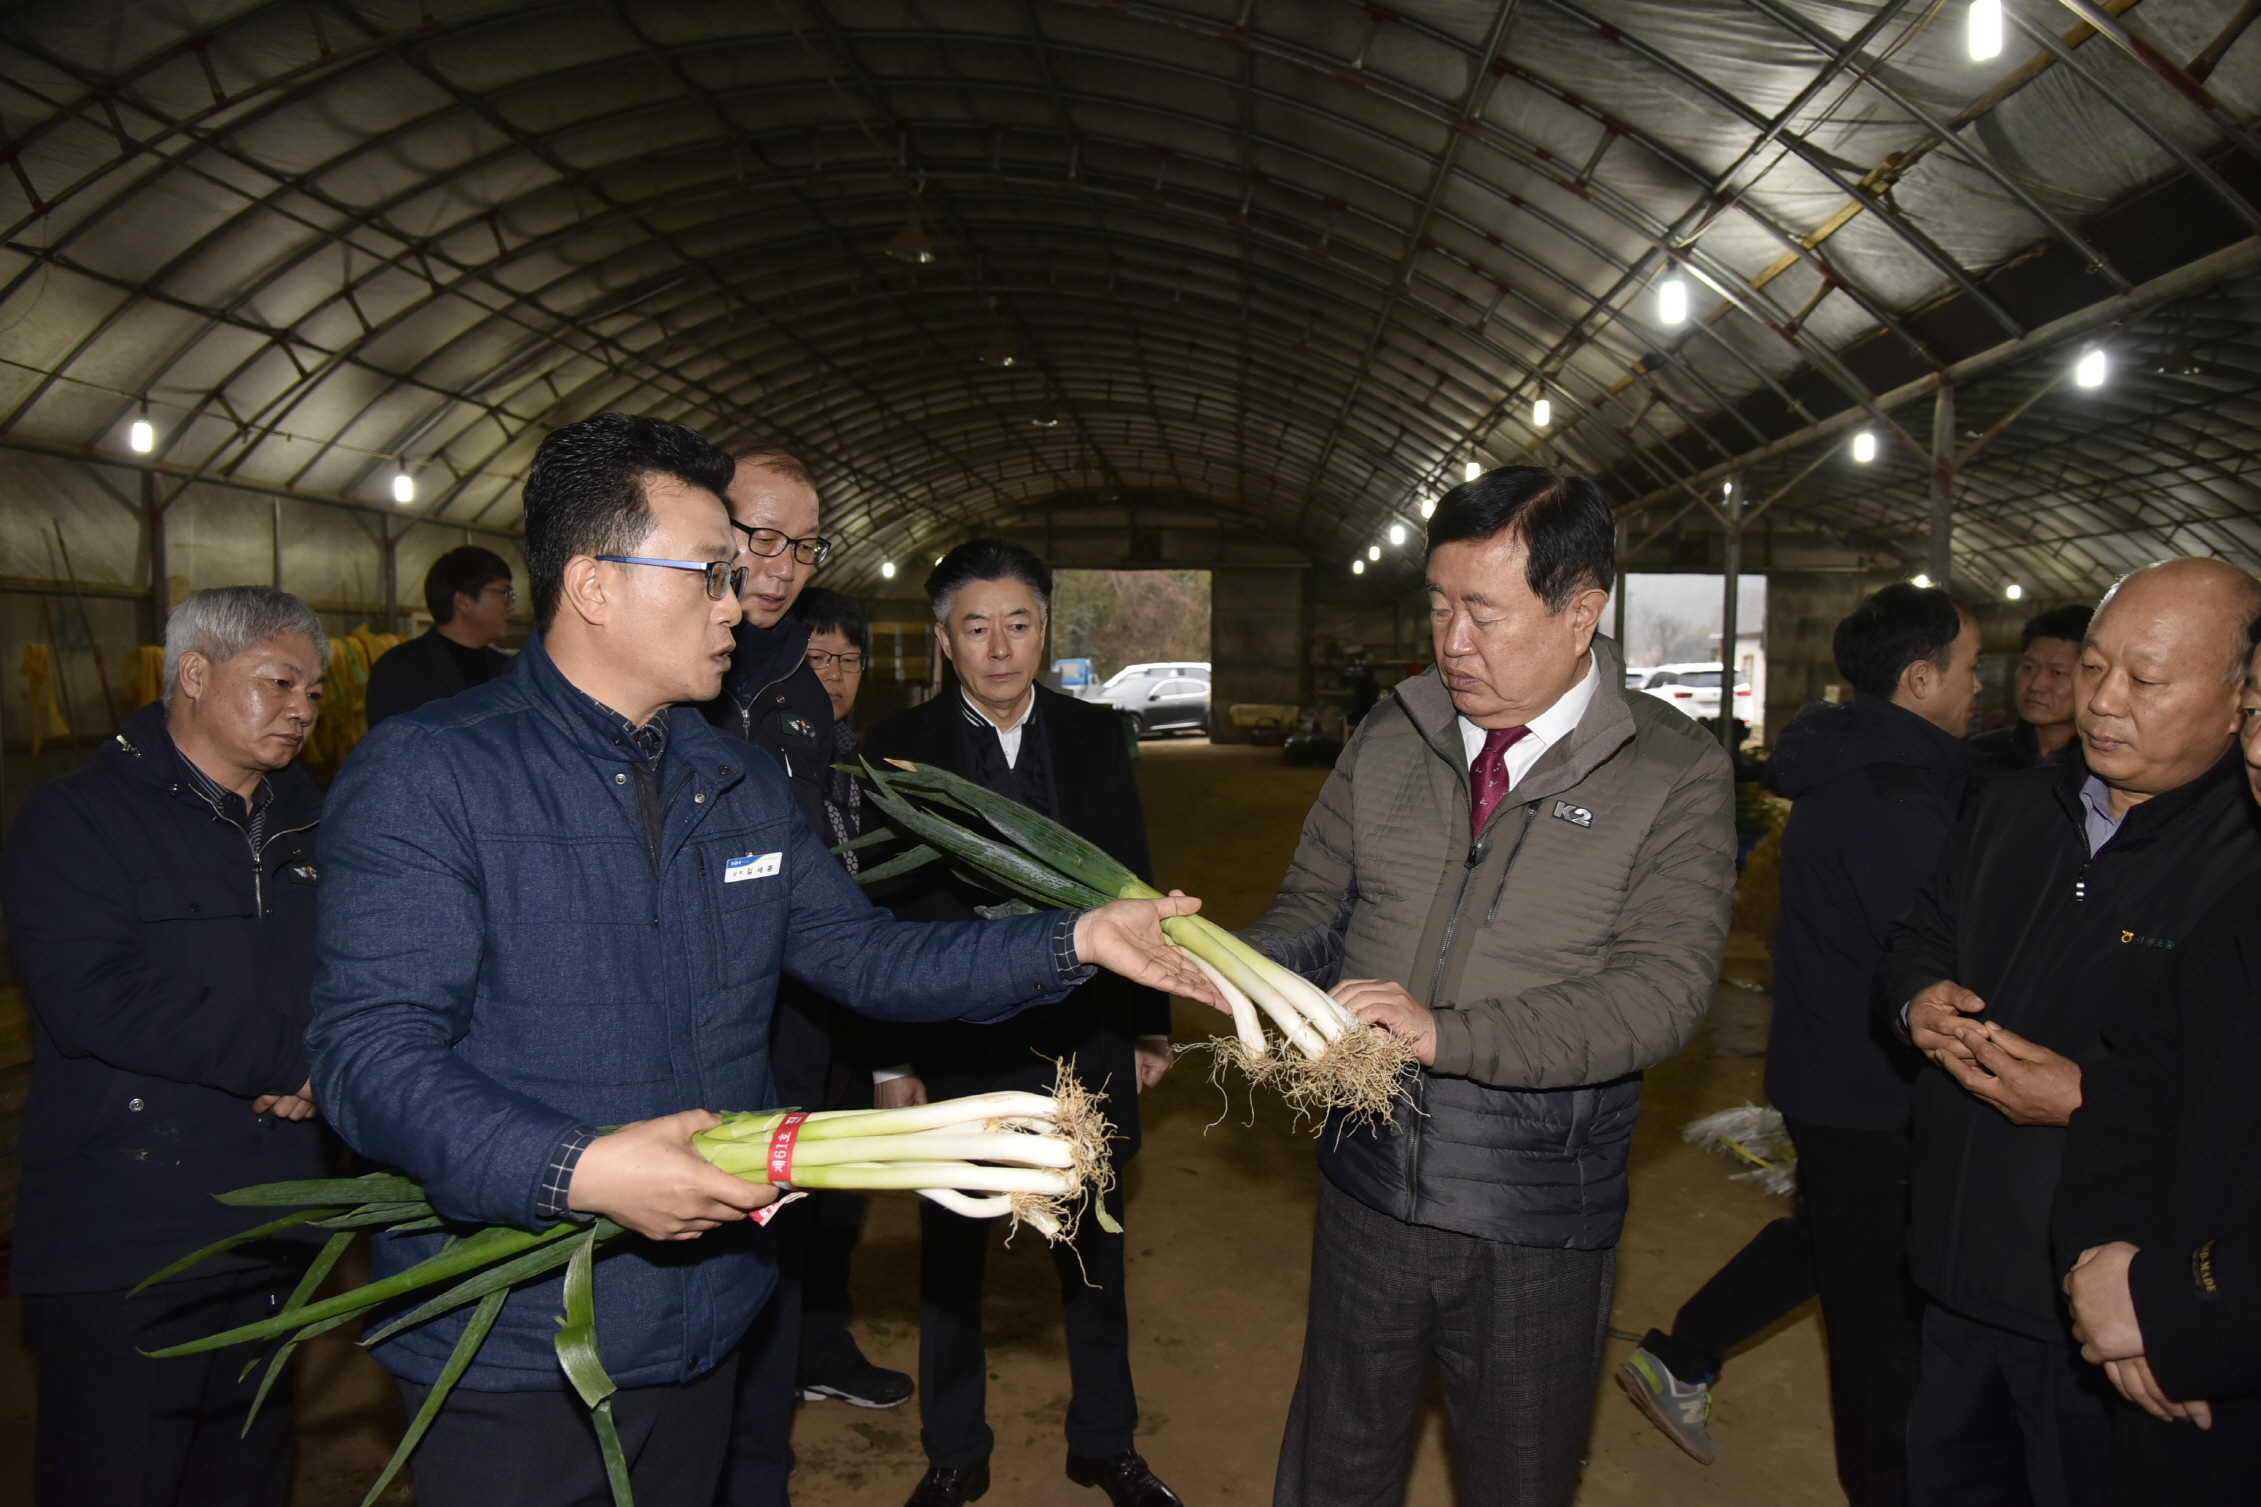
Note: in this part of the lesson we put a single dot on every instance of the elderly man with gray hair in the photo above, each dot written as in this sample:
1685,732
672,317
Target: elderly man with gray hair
160,903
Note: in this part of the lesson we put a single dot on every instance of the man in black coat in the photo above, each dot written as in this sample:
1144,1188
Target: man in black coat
2064,891
772,697
2043,687
470,596
160,903
1877,785
1069,760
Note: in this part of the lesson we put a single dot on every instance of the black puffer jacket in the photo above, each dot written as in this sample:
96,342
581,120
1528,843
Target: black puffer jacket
169,974
2053,940
773,700
1876,790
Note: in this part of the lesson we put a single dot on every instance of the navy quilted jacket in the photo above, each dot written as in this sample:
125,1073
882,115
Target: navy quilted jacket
502,961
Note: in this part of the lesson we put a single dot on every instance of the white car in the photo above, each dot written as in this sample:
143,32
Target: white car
1694,690
1163,697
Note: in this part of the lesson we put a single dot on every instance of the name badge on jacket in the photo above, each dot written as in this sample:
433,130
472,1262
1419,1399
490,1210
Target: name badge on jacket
752,866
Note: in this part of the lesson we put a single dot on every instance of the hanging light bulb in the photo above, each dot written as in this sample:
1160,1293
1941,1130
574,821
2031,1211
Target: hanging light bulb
1672,301
1864,447
2014,592
1985,34
911,243
1373,552
2092,368
1358,567
1397,533
142,437
1542,414
887,570
1727,489
1001,351
1922,582
1428,507
404,485
1471,470
1046,416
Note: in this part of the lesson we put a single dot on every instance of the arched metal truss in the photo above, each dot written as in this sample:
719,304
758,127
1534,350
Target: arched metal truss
1299,257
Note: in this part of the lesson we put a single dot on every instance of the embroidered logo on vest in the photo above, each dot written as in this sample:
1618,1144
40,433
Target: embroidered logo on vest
1577,816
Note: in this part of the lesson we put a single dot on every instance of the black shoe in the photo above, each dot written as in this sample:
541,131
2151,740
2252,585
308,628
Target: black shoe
863,1384
1124,1477
948,1488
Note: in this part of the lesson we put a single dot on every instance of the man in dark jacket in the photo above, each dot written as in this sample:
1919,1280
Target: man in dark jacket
562,902
1525,873
470,596
1876,785
160,903
1067,759
2044,684
2063,892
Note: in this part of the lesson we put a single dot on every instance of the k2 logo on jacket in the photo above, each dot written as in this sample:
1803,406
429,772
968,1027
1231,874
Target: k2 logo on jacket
752,866
1577,816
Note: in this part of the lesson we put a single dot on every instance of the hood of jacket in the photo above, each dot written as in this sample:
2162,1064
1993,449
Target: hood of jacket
1825,741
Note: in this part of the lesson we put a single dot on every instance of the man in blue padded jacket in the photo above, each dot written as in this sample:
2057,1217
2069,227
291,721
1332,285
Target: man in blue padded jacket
554,916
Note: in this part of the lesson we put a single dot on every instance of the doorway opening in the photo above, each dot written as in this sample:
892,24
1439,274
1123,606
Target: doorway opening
1672,650
1137,640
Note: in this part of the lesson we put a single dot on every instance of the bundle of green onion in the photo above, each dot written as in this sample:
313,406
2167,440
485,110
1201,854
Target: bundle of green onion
1326,1059
1032,1158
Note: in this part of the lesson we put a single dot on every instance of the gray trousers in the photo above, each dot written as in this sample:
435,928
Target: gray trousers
1517,1332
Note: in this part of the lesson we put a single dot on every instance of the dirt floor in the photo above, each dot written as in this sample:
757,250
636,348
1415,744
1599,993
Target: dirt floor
1219,1221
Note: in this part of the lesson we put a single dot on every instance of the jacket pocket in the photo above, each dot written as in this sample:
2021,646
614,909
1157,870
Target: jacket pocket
192,897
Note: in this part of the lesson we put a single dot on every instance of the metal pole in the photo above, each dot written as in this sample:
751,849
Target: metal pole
278,543
1941,568
1729,602
1618,630
390,573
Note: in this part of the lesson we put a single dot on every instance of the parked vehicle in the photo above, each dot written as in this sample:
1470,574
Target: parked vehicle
1693,689
1159,698
1637,676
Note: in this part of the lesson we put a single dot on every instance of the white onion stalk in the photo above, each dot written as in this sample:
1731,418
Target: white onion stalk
1032,1158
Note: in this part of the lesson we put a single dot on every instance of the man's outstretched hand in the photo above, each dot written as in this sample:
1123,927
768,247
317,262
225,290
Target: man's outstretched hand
649,1178
1125,937
1378,1002
1934,1015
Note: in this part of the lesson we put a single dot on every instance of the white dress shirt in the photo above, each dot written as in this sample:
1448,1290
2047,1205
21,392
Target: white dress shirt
1547,729
1008,738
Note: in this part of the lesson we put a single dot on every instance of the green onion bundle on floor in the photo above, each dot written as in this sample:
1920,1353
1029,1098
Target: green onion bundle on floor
1035,1159
1324,1059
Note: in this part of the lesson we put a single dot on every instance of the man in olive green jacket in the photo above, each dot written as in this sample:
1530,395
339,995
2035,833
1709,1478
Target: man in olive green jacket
1525,873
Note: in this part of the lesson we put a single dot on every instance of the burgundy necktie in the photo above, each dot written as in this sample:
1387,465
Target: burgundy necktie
1487,777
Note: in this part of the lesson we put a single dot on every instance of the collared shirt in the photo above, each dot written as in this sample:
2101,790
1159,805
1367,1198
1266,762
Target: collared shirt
650,739
1008,738
1547,729
2102,826
250,815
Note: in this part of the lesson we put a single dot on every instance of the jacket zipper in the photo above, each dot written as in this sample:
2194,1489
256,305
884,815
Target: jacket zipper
746,707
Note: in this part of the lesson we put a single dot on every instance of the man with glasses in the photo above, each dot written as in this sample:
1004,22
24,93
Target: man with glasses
554,914
471,598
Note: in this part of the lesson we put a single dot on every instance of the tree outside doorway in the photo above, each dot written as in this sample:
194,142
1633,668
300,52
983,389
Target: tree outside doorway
1128,617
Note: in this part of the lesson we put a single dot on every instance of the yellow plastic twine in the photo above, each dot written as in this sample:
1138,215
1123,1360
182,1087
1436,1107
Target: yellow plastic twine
39,673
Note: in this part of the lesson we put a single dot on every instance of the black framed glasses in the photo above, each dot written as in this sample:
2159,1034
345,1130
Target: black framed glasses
769,544
721,578
850,663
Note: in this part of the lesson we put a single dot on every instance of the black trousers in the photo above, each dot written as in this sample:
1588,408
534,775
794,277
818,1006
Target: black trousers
539,1449
117,1429
1846,1242
954,1364
1517,1332
828,1349
2001,1420
760,1457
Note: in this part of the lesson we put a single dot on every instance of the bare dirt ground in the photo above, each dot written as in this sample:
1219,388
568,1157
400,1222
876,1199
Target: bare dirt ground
1219,1222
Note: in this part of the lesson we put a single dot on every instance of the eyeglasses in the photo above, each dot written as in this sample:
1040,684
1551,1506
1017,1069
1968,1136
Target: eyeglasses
769,544
509,592
850,663
721,578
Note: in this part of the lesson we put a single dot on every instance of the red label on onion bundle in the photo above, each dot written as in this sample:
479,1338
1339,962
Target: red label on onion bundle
781,1148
